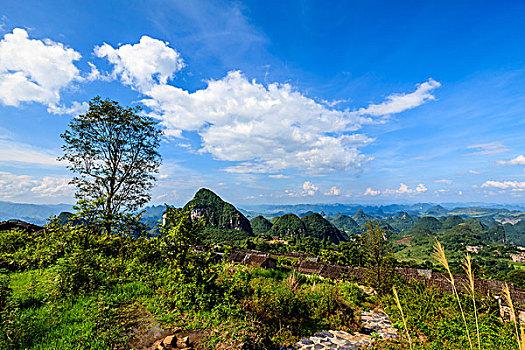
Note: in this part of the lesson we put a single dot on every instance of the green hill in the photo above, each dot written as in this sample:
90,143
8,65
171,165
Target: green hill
402,221
362,218
260,225
288,225
216,212
319,227
452,221
429,223
344,223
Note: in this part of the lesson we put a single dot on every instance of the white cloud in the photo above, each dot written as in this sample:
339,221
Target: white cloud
398,103
75,109
265,128
309,188
278,176
35,70
334,191
403,189
370,192
11,151
503,185
142,65
474,172
444,181
519,160
484,149
15,186
51,186
460,193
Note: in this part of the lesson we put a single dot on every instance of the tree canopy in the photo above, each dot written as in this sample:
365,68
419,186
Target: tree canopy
113,151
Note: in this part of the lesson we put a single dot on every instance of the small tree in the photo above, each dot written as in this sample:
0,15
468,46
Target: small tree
378,258
114,152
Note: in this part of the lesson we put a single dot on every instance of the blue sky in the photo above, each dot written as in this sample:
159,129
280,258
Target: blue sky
276,102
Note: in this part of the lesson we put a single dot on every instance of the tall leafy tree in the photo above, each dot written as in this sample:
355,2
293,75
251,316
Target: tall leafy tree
378,258
113,151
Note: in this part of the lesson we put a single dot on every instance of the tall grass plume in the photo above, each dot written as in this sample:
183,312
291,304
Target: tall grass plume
508,298
396,297
467,266
439,255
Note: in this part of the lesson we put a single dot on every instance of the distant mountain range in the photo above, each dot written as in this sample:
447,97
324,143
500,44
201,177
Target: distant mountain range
39,213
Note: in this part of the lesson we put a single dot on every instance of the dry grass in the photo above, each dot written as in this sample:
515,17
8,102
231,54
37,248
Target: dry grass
396,297
467,266
439,255
508,298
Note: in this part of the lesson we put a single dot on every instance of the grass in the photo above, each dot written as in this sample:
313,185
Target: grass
439,255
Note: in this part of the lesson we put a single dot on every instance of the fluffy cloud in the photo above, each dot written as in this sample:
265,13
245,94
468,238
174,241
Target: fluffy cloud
334,191
370,192
35,70
503,185
142,65
403,189
519,160
309,188
16,186
51,186
264,128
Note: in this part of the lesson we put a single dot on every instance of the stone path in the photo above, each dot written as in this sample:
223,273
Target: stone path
379,324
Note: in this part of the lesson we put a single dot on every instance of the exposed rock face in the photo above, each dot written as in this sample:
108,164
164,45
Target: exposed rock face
216,212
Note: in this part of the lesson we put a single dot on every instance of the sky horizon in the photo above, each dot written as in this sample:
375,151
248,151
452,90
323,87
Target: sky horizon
272,103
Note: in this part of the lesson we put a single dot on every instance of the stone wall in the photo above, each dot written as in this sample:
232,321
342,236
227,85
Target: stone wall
308,265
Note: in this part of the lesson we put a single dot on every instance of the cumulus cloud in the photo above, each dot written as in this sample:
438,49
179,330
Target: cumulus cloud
334,191
309,188
503,184
264,128
142,65
370,192
519,160
35,70
14,186
51,186
403,189
75,109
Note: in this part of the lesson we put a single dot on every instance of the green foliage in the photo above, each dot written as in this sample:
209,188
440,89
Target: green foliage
517,277
345,224
377,258
260,225
113,152
216,212
318,227
288,225
434,319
